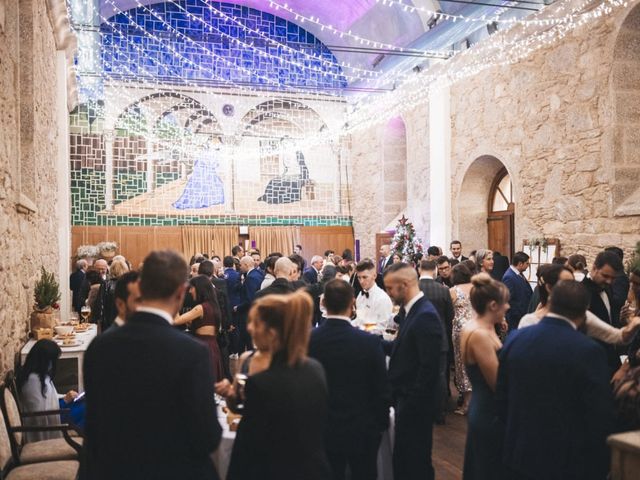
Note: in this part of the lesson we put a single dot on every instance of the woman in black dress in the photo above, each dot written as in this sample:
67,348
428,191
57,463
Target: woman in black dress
285,407
479,345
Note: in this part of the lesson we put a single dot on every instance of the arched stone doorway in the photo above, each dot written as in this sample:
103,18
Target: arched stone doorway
486,207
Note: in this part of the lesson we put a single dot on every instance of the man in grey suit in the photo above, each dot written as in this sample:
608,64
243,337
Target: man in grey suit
441,298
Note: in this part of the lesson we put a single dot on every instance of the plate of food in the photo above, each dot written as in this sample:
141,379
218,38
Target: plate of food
69,343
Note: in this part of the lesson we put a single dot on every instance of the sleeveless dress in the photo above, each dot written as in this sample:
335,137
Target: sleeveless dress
483,449
463,314
210,316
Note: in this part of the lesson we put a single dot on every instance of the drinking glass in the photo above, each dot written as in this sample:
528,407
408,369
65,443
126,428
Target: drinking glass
240,381
85,311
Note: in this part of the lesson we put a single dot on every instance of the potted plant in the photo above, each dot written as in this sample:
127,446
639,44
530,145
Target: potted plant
46,294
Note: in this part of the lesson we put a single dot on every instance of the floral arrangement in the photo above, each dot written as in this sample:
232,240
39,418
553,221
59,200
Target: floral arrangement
405,242
534,242
634,261
47,291
109,247
87,251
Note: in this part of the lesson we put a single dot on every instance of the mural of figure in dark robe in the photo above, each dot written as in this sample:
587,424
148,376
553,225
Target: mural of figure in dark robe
287,188
204,188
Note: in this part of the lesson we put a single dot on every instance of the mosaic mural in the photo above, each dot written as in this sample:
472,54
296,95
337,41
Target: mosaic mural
173,155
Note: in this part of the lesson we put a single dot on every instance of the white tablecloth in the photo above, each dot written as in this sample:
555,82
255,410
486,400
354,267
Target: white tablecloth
222,455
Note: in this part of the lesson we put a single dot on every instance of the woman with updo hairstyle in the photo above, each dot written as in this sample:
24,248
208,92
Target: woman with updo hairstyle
281,434
578,263
480,346
484,261
461,278
593,326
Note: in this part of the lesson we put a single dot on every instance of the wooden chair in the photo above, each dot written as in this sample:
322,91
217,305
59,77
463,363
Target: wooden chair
66,448
10,470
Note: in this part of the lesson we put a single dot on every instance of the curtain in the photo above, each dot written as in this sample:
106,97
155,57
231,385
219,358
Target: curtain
275,239
210,240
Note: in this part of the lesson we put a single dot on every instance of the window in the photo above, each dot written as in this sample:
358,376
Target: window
501,194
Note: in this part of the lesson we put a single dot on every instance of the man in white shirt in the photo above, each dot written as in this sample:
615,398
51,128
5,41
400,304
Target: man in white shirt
373,305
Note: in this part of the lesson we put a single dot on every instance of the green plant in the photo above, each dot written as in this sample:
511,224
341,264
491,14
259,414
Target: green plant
46,291
534,242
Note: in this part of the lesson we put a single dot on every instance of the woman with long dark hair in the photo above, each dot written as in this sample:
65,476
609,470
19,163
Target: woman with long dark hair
37,391
205,319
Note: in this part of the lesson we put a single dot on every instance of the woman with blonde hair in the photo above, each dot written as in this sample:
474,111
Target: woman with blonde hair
286,406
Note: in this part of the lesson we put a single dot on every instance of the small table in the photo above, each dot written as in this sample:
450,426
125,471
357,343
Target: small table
75,352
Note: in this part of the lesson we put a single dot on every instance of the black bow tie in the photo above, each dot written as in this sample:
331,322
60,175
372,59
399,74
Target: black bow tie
366,294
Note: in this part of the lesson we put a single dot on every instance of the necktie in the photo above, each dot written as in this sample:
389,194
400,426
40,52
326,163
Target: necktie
524,278
366,294
402,313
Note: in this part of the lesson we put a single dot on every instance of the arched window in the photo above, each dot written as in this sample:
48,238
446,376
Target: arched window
501,197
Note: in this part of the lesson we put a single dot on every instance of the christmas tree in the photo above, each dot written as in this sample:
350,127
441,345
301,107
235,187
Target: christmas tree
405,242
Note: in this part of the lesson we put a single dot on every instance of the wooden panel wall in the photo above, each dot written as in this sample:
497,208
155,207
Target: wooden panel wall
136,242
315,240
133,242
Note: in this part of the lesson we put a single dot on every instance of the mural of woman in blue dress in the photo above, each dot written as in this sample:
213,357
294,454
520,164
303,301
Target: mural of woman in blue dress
287,188
204,188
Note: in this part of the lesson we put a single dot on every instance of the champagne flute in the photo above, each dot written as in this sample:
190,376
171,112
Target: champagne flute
240,381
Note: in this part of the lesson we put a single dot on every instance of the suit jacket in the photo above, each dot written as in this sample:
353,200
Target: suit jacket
279,286
150,409
280,436
359,393
234,286
251,286
553,395
599,309
415,355
76,280
440,297
310,276
519,296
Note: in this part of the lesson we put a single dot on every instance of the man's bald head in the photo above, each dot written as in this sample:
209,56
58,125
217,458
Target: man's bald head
246,263
282,268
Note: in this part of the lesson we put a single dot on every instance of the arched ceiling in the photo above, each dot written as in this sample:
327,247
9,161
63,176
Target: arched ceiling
366,18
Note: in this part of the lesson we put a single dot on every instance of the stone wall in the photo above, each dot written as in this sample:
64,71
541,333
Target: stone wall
28,240
564,123
550,120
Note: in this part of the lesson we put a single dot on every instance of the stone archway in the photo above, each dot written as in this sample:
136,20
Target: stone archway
482,224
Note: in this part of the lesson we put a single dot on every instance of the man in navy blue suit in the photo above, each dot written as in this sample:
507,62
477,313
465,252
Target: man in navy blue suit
413,373
311,274
253,278
553,395
359,395
234,291
519,289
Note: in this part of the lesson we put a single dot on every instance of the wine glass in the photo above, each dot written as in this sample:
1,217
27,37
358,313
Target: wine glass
240,381
73,318
85,311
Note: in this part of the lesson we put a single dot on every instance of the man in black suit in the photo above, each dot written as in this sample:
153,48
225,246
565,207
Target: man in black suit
606,267
441,298
444,271
414,369
553,395
359,395
456,251
76,281
281,285
619,289
519,289
150,409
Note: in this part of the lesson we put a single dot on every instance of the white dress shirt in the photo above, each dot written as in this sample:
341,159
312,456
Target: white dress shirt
411,303
377,308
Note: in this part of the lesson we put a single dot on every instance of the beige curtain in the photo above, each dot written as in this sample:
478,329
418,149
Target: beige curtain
210,240
275,239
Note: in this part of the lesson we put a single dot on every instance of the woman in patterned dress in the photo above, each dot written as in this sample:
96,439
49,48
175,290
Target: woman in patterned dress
461,276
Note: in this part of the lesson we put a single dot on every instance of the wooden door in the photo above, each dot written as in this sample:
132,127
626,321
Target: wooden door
315,240
500,225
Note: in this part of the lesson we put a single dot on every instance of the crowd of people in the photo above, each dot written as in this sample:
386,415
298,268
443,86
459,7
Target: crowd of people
326,350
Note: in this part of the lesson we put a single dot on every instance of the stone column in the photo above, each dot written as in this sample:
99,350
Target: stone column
440,167
64,184
108,136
